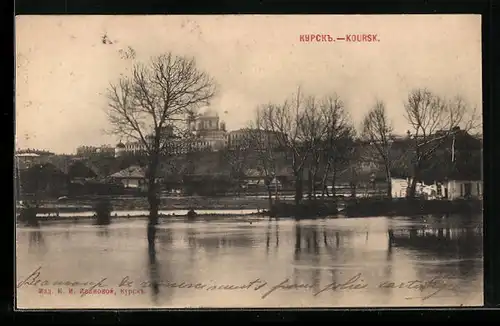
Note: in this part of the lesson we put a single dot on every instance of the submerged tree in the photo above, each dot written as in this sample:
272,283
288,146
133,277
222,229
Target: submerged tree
338,146
286,121
151,104
377,130
314,133
313,127
264,141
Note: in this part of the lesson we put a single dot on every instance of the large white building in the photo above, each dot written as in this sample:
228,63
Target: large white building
104,150
208,132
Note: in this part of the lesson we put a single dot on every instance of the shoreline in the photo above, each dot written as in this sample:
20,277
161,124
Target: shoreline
355,209
162,218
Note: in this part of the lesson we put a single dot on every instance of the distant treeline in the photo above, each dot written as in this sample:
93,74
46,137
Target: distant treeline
230,170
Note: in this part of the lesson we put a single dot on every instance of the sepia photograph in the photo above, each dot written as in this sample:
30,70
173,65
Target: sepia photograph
248,161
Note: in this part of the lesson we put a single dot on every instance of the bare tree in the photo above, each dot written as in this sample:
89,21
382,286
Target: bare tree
150,104
337,146
313,127
286,121
264,141
236,157
433,120
377,130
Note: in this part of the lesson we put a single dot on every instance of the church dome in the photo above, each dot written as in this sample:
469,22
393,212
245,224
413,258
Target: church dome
120,145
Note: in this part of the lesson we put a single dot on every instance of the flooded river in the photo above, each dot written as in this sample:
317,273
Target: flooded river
366,262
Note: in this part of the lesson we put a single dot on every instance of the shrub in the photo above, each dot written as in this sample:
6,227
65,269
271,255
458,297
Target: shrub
103,209
28,216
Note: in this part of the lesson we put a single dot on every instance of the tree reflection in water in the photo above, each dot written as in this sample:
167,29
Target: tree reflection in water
103,231
277,234
36,238
268,235
154,276
165,237
440,239
307,257
435,240
389,256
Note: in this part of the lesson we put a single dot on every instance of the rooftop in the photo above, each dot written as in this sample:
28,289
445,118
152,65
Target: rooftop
133,172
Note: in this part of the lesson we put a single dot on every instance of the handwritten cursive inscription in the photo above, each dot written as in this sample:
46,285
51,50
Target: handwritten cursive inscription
34,279
354,283
435,285
286,285
255,284
128,286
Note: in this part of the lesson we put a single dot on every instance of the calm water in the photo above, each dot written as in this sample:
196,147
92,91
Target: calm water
325,263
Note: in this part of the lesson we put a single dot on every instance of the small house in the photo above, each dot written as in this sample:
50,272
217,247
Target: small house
132,177
254,178
399,187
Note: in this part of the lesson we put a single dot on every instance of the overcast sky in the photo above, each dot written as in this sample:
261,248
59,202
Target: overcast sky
63,68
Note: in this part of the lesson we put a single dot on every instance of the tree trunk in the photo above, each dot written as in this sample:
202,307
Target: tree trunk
275,189
153,201
389,182
353,183
298,239
270,197
310,184
314,176
413,186
298,187
324,186
353,189
324,189
334,181
153,218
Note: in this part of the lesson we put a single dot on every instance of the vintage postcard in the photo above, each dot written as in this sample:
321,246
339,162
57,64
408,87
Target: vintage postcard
249,161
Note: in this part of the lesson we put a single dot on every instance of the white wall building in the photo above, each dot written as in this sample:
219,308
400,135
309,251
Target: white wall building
208,133
452,189
462,189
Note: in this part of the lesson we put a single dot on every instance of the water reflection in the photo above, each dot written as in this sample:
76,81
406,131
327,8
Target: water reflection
442,247
307,252
154,276
36,238
315,253
270,226
438,240
442,240
103,231
214,242
164,237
